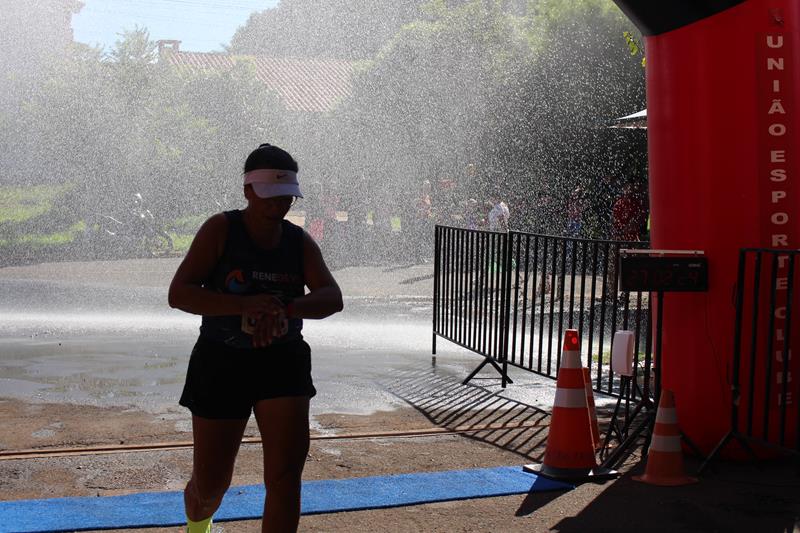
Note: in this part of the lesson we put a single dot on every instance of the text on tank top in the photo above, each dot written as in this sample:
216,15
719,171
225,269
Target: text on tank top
246,269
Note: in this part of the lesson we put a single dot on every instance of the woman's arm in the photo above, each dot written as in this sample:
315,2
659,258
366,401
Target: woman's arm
324,297
186,292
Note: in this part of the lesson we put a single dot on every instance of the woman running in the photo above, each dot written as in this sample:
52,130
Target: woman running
246,273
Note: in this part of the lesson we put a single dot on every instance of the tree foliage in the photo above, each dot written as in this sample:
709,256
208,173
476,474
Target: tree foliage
34,34
498,96
120,123
341,29
505,95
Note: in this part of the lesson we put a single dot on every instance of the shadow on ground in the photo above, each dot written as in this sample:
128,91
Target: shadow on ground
449,404
733,497
737,497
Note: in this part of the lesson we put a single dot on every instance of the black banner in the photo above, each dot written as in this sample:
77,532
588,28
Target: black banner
654,17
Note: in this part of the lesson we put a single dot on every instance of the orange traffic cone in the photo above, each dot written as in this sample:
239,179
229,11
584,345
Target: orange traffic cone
569,454
587,380
665,457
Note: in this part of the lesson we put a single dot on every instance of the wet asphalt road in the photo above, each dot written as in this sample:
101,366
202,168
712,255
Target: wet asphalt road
102,334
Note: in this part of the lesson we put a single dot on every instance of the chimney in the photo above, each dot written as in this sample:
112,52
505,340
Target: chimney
166,46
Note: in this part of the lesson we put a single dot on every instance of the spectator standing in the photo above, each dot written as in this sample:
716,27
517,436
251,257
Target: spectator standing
576,203
472,215
419,224
544,212
601,196
498,215
629,214
628,222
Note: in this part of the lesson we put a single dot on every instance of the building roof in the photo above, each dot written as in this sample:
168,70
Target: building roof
636,121
311,85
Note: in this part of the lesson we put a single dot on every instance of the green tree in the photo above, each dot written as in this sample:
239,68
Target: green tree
230,113
580,79
419,109
118,124
33,37
341,29
33,34
521,93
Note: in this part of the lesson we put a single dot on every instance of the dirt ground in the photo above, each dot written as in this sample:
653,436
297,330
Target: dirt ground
733,497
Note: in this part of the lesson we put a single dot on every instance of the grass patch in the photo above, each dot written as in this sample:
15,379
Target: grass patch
35,218
183,230
188,225
58,238
18,204
181,241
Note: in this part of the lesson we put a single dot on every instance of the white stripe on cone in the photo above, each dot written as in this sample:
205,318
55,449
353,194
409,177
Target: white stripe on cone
571,398
666,415
571,359
666,443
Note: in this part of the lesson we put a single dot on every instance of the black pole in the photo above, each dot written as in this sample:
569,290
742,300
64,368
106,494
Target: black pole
506,300
657,384
737,341
436,272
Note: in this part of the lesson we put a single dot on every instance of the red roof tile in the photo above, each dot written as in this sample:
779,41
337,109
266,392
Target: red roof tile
315,85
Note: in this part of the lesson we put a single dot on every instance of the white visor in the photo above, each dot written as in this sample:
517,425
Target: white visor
271,182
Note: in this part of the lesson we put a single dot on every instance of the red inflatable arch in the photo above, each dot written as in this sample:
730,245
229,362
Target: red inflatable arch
722,83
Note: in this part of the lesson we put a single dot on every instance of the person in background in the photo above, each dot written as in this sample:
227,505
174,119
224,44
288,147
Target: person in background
628,221
473,218
601,195
424,202
315,220
544,212
576,203
420,228
498,215
629,214
246,273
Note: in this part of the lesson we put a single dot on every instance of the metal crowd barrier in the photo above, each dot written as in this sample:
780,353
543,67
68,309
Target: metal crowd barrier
765,390
510,296
471,293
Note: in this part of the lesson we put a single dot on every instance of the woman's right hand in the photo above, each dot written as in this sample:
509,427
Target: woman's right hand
269,327
263,317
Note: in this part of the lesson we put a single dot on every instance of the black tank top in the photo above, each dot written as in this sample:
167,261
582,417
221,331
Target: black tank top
245,268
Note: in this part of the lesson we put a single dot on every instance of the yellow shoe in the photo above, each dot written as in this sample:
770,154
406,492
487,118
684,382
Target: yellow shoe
203,526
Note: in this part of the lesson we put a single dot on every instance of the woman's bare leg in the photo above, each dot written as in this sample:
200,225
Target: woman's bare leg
283,423
216,443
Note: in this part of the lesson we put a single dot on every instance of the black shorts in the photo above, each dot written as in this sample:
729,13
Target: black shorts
225,382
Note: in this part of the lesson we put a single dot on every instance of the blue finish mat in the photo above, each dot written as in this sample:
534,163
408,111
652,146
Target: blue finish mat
153,509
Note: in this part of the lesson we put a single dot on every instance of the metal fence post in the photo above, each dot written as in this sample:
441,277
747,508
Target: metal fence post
506,302
436,272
